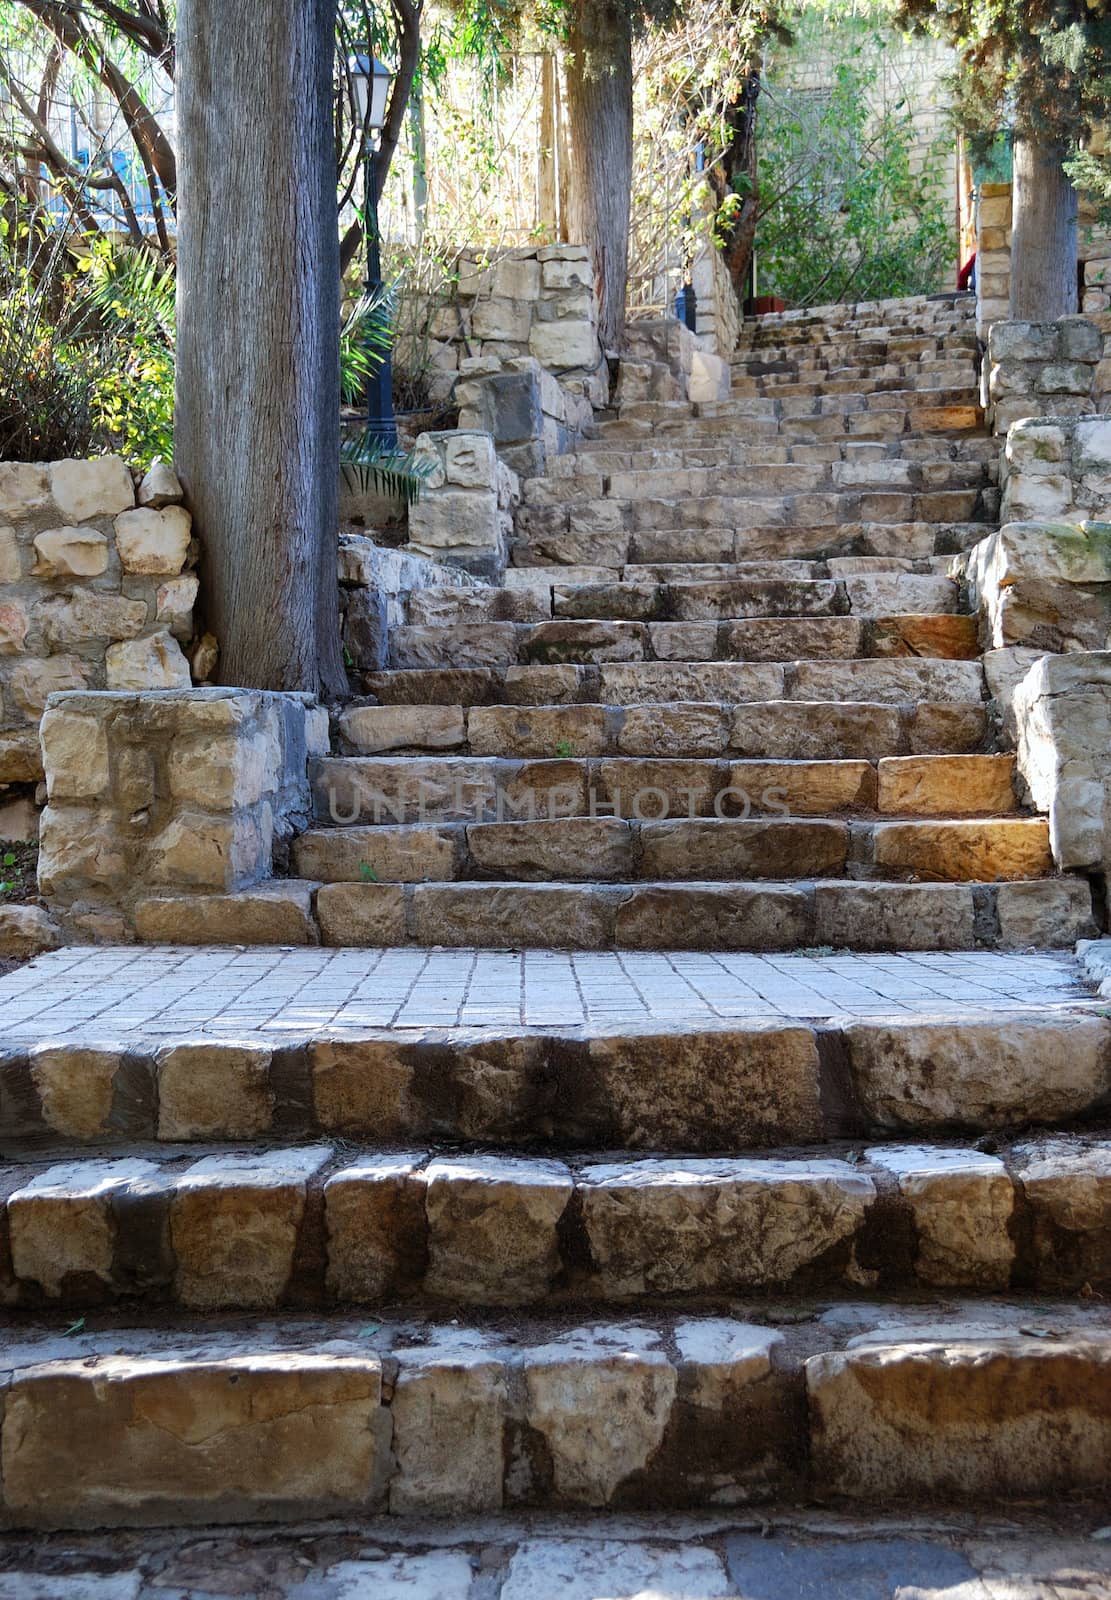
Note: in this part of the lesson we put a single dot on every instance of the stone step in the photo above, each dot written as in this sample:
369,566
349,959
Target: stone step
319,1419
541,580
809,844
553,538
738,1083
863,470
711,915
398,789
317,1226
783,729
855,377
892,682
783,637
797,420
721,451
868,594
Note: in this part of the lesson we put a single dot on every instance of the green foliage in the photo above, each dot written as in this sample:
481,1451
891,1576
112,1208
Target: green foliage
132,293
367,464
1040,65
846,210
1092,176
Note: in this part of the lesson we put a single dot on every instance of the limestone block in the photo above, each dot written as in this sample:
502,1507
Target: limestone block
563,345
601,1399
559,274
374,1210
277,913
224,773
373,730
517,278
62,1223
98,488
1067,1185
214,1091
1022,341
86,614
33,682
70,553
709,378
962,1203
1092,450
152,541
11,565
201,852
19,819
89,1094
1081,340
962,1418
1051,913
455,518
938,786
26,931
975,1074
83,1445
362,1087
160,486
492,1227
506,321
14,626
234,1221
469,460
20,757
81,849
681,1226
448,1410
24,489
75,748
174,602
1034,497
153,662
1037,445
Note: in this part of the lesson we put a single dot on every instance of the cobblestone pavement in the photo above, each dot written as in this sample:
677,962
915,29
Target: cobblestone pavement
800,1557
150,991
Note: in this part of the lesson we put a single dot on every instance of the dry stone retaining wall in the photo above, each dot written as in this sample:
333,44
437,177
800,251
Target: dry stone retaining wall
1042,369
465,515
178,792
96,590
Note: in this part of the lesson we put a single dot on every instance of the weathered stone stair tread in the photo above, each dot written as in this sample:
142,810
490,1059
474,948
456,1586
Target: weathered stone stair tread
951,1402
887,681
775,730
742,1083
758,914
318,1226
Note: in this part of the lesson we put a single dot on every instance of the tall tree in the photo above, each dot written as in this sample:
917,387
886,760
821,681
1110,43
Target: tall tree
1044,65
600,128
257,413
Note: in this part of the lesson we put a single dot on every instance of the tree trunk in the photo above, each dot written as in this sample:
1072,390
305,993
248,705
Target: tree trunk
257,405
738,173
1043,246
600,137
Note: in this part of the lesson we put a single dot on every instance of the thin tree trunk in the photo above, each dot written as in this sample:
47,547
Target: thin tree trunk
600,136
257,406
547,184
740,160
1044,238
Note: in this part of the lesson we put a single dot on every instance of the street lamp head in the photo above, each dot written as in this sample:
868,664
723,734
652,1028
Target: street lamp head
371,83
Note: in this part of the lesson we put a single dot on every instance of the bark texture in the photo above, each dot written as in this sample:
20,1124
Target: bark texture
740,162
600,138
257,408
1044,239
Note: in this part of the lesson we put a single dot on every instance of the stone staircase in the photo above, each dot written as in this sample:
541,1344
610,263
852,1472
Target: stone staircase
728,697
337,1271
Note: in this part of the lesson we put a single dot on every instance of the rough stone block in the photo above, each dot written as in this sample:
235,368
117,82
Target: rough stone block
377,1237
962,1203
62,1224
449,1409
153,662
214,1091
70,553
492,1227
152,541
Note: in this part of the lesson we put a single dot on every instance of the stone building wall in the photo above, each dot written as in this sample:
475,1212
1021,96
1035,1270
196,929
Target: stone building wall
96,591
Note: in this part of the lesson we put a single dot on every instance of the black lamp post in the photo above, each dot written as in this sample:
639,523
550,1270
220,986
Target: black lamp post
371,83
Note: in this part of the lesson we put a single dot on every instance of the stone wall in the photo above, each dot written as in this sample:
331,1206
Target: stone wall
1042,586
993,255
176,792
536,300
1063,717
1041,369
374,586
96,590
664,360
465,515
1057,467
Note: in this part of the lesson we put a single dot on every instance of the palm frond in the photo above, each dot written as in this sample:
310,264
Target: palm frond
366,338
369,464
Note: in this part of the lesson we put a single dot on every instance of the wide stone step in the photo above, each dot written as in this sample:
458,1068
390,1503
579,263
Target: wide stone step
798,420
392,789
557,537
894,682
786,637
863,469
781,729
864,594
962,1403
542,580
856,378
317,1226
721,451
738,1083
711,915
